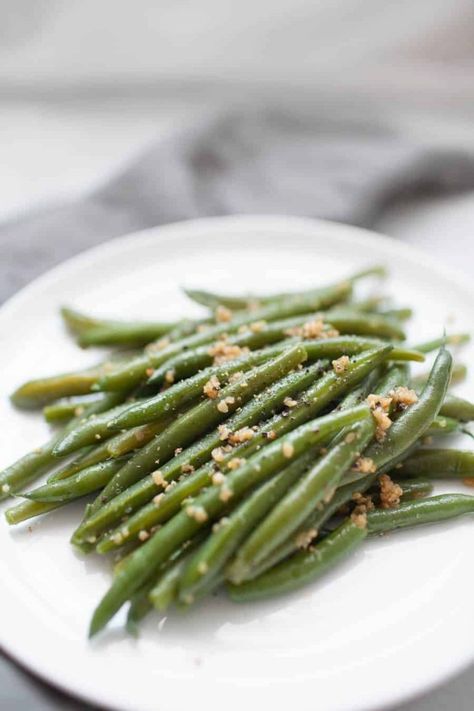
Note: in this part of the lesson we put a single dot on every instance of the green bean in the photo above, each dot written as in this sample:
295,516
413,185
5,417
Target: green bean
364,324
152,408
454,339
438,464
413,488
90,430
94,331
401,437
212,300
140,607
202,418
445,426
212,555
32,465
303,567
458,408
149,409
312,401
41,391
403,314
315,488
84,482
414,513
458,374
199,452
132,373
309,565
28,509
413,423
187,364
209,506
67,408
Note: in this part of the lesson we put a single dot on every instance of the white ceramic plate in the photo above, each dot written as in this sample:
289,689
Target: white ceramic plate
393,621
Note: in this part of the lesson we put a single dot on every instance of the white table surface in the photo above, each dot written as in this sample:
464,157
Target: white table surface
52,150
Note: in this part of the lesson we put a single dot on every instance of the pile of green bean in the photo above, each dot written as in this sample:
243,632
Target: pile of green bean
249,450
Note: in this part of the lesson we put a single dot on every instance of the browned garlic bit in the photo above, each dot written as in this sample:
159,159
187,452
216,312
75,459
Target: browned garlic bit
222,351
340,365
223,314
404,397
380,406
235,463
304,538
212,387
243,435
365,465
390,492
288,450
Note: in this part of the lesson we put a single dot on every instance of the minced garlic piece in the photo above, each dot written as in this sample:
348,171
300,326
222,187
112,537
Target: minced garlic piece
374,401
289,402
157,499
235,463
304,538
404,396
218,478
243,435
220,524
5,488
223,405
223,314
222,351
288,450
158,478
363,503
224,432
169,376
390,492
198,513
383,423
212,387
271,434
202,567
350,437
258,326
218,454
117,538
143,535
359,520
149,372
225,493
187,469
177,451
364,465
235,377
340,365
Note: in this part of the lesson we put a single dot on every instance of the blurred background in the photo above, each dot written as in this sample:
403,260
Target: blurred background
87,85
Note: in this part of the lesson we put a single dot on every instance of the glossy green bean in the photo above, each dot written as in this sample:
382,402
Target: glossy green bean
208,561
458,408
315,488
213,300
41,391
421,511
197,454
32,465
303,567
28,509
454,339
311,402
132,373
201,419
210,505
438,464
74,487
67,408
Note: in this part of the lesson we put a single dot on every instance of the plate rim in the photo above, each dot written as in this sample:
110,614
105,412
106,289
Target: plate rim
229,224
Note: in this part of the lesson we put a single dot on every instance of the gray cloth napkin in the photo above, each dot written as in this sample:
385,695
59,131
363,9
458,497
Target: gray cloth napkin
252,161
